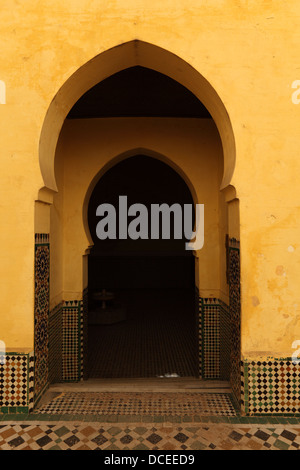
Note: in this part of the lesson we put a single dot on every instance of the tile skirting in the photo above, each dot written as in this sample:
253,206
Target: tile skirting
17,383
215,339
41,312
55,344
66,342
270,387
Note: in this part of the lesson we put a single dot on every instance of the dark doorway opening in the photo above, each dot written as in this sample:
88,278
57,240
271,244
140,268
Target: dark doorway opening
143,321
138,91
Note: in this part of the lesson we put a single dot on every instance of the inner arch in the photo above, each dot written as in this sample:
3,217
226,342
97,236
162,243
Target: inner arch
120,158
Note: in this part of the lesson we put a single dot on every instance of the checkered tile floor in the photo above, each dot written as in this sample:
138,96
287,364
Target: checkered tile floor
140,404
146,436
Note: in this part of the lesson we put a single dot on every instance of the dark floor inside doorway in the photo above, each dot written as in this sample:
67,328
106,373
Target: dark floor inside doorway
157,338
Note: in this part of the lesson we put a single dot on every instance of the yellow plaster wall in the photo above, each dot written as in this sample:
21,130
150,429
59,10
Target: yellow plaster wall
249,53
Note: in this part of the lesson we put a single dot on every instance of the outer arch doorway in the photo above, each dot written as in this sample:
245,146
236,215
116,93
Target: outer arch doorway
71,299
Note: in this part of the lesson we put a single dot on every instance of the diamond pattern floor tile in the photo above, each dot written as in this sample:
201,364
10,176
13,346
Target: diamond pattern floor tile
93,436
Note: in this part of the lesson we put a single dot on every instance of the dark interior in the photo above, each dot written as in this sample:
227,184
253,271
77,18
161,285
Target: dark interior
151,280
138,91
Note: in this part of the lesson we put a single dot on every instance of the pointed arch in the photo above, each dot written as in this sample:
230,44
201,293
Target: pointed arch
112,61
117,159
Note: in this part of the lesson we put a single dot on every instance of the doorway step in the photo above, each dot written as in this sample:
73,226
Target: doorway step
143,398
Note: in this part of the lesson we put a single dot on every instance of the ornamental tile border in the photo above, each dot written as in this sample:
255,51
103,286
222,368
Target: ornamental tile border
71,341
17,383
41,312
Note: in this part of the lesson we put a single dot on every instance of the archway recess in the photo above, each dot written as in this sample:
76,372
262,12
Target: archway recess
112,61
188,153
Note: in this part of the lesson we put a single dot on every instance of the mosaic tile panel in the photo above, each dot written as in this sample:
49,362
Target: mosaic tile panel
235,313
198,321
84,335
31,377
17,383
271,387
41,311
67,341
210,338
225,341
72,340
55,343
215,338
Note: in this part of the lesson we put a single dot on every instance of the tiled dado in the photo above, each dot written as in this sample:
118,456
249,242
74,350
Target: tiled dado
233,263
66,342
55,344
198,323
215,339
17,383
72,340
84,335
270,387
41,312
